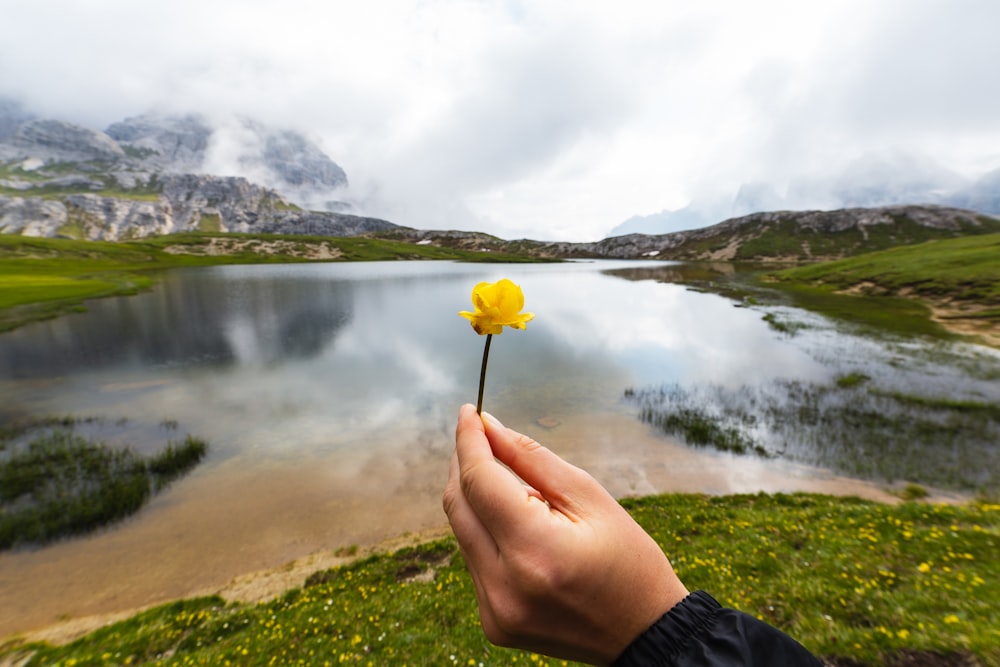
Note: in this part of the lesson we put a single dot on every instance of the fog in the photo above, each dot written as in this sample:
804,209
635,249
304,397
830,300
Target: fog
550,119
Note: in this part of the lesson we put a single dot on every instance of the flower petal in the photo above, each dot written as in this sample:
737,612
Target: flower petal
497,305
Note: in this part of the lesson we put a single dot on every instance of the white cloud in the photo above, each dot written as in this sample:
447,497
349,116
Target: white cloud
550,118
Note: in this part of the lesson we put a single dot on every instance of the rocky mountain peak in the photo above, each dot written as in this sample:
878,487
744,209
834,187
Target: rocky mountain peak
285,160
157,174
165,143
56,141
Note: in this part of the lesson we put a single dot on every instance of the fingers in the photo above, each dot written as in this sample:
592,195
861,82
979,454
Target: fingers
566,487
476,541
502,504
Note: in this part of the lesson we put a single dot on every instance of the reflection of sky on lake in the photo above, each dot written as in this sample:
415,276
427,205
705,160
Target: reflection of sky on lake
281,358
286,359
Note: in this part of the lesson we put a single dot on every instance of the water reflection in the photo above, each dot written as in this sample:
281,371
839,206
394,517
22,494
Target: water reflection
195,318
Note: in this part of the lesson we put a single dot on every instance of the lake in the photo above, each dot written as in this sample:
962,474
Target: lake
328,395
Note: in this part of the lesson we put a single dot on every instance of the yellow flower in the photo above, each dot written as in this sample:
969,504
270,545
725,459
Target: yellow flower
497,305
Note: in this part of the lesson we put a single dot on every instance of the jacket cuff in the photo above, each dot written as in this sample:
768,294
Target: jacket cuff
663,641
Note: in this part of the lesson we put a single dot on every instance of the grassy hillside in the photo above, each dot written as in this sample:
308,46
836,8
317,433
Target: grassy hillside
42,278
859,583
786,238
959,277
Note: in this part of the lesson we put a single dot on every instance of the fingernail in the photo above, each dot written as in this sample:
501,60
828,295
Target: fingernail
493,420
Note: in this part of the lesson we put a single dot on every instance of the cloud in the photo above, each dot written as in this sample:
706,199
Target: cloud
550,118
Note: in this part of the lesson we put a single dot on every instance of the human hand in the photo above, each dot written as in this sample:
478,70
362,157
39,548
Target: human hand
559,566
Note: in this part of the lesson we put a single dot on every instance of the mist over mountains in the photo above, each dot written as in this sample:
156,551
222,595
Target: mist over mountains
160,174
155,174
874,180
279,159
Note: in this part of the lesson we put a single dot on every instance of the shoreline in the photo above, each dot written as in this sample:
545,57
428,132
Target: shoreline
262,585
247,588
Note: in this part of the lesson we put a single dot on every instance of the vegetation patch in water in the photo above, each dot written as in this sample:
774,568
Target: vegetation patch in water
59,483
849,426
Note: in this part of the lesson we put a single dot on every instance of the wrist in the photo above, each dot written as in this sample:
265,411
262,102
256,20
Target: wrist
664,639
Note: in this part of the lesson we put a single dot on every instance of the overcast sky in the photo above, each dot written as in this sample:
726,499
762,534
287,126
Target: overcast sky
547,119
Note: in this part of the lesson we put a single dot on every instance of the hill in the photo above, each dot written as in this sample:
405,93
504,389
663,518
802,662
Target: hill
801,236
958,280
781,236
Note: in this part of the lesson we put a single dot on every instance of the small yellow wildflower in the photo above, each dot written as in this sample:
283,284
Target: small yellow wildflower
497,305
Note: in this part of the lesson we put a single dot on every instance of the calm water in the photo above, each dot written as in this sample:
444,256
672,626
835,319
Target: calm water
328,394
281,362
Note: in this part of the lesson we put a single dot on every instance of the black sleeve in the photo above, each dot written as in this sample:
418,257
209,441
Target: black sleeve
699,632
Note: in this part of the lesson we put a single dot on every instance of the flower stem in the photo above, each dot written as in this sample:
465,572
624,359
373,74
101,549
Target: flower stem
482,373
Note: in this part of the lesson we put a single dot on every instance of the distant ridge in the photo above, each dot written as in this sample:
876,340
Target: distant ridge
141,178
780,236
800,236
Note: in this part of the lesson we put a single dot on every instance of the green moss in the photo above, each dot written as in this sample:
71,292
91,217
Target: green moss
851,380
210,222
71,229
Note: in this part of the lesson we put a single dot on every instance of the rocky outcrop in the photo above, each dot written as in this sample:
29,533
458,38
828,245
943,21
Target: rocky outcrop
31,216
185,203
56,141
173,144
283,160
141,178
296,161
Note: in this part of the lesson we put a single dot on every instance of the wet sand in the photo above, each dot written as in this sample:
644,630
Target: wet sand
251,532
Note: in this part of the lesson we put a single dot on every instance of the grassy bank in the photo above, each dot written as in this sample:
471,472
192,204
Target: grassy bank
42,278
896,289
857,582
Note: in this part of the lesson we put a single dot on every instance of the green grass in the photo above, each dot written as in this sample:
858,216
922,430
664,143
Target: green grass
788,239
851,380
964,271
852,580
966,268
60,483
873,314
42,278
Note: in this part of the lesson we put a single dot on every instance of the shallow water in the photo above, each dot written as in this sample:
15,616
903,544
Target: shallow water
328,392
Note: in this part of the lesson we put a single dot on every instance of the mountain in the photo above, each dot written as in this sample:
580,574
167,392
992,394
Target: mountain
780,236
160,175
283,160
872,180
795,236
750,198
